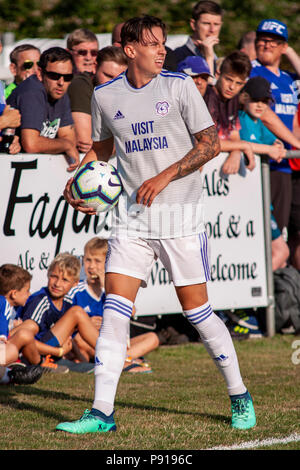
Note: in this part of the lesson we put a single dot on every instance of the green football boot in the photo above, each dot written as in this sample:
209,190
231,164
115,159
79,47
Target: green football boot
90,421
242,409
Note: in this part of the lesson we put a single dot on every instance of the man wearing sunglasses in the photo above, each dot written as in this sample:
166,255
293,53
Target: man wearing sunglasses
23,63
83,45
42,99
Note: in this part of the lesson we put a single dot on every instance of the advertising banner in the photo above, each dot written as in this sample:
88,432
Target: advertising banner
37,223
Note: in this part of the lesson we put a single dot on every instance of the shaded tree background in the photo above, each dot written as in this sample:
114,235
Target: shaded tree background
57,18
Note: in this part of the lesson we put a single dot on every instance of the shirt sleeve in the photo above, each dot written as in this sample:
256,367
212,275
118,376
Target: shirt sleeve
3,321
34,309
80,93
99,130
193,108
31,106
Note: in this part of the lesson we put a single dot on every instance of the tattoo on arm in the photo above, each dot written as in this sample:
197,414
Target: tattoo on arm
207,146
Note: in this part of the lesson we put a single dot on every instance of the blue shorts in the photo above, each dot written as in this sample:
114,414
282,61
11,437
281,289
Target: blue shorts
50,339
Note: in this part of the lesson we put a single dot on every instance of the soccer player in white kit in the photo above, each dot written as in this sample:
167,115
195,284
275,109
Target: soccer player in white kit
163,133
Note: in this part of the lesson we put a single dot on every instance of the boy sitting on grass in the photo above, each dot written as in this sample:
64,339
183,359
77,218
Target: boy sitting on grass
49,313
14,292
89,294
223,103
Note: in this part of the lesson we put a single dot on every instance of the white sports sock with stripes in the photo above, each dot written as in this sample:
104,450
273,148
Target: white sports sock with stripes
218,343
110,352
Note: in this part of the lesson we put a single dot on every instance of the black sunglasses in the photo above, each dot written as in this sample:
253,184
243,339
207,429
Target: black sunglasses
28,64
56,76
85,52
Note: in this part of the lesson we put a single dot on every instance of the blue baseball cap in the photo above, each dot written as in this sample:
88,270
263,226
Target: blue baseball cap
194,65
273,27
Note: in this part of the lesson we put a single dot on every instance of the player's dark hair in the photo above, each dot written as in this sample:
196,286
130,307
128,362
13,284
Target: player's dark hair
54,54
12,277
13,56
237,63
134,29
209,7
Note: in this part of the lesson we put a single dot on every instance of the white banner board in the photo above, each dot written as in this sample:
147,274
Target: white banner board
37,223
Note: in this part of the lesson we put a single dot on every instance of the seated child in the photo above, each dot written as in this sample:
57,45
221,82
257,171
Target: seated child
14,292
90,295
49,312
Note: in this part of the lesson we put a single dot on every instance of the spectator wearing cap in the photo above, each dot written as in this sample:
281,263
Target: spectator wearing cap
197,68
255,97
23,63
206,23
271,44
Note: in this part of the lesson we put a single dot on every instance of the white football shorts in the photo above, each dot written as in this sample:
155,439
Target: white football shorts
186,259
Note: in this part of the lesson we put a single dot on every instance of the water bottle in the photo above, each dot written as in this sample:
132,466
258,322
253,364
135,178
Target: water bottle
8,135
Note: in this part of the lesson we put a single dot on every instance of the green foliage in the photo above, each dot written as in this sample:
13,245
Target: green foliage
56,18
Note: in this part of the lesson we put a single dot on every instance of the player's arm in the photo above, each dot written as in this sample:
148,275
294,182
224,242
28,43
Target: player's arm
275,125
206,147
33,142
100,151
83,131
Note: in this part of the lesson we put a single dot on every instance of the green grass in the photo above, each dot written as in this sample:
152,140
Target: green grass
183,404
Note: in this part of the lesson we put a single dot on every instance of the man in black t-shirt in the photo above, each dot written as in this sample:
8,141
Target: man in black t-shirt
46,120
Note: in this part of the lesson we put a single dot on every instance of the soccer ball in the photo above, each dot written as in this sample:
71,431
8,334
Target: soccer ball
98,184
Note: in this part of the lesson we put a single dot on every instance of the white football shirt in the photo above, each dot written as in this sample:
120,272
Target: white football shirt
152,128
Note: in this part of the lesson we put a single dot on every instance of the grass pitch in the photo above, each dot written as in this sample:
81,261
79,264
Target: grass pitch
182,405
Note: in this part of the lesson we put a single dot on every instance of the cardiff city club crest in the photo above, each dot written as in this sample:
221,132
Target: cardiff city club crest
162,108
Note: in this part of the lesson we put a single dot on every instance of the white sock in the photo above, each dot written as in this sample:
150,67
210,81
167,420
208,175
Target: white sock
218,343
110,352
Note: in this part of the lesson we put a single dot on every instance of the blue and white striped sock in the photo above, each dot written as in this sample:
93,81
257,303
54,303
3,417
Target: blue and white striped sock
110,352
218,343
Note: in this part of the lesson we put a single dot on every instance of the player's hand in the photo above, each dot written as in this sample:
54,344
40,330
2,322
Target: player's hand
10,118
151,188
67,346
277,152
72,155
97,321
249,158
84,147
208,45
76,203
232,163
15,146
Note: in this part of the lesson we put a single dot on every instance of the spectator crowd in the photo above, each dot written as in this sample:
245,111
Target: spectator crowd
47,109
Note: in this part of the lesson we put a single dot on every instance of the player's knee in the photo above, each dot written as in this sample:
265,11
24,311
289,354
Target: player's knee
25,335
77,312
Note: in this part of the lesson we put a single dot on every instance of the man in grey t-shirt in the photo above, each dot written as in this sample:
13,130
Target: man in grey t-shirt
163,134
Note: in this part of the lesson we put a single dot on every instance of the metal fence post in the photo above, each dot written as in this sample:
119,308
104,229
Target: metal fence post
266,188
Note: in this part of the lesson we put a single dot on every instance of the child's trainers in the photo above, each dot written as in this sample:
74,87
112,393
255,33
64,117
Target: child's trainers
49,365
90,421
242,409
252,324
